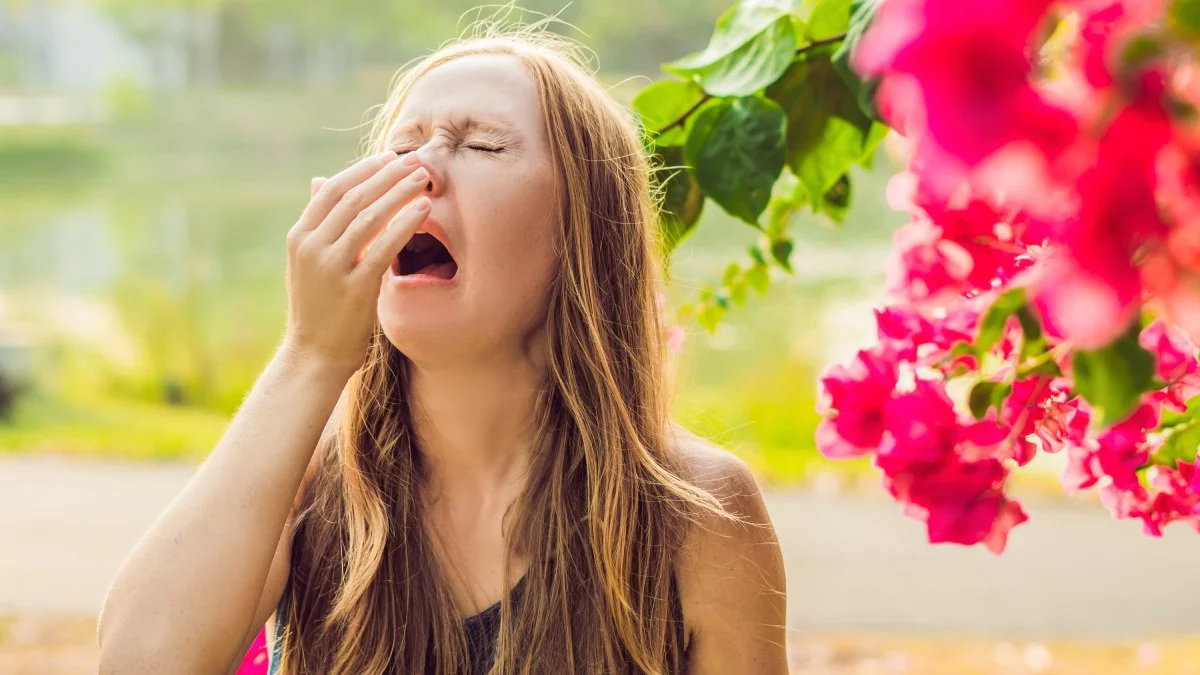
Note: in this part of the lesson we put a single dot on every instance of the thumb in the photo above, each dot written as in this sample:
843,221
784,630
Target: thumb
316,185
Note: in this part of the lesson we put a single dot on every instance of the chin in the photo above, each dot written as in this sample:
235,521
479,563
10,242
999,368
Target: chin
421,328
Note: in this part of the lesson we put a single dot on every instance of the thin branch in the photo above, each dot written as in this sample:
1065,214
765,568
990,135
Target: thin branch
821,43
679,121
682,119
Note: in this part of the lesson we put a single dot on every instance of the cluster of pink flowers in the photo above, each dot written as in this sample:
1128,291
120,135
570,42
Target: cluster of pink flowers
1054,148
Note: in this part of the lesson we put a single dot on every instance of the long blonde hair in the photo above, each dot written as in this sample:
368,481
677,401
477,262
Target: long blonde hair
607,505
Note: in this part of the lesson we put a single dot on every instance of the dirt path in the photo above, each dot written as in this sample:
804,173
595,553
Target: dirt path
854,563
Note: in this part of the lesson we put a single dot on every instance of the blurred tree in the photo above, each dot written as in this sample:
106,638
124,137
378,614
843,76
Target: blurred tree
318,42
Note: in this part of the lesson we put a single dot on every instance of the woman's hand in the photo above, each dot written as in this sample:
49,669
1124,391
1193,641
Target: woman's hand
355,224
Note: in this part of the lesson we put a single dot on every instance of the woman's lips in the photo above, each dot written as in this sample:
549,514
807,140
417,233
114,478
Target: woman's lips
438,273
434,229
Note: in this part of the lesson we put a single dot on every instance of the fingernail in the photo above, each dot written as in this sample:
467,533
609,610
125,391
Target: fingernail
410,159
385,156
422,204
419,175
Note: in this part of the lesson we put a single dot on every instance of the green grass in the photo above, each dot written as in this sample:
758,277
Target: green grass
110,429
767,416
759,422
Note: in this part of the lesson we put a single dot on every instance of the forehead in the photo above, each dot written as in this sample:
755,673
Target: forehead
487,89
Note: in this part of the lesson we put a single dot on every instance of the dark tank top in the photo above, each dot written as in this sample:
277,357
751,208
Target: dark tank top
483,630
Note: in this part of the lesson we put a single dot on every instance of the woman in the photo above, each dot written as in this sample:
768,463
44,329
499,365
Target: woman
498,488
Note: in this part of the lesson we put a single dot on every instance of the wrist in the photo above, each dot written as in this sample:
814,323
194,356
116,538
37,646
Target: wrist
303,363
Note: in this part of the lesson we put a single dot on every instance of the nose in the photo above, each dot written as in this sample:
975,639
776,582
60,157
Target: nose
429,158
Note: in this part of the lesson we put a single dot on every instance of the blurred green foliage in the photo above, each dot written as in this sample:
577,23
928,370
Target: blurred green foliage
770,121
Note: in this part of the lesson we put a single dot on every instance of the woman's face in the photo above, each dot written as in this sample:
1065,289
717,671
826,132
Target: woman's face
476,125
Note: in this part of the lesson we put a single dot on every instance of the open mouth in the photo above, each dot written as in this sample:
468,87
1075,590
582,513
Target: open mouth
425,255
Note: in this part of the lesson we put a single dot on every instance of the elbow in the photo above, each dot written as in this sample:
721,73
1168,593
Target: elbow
124,656
132,649
129,651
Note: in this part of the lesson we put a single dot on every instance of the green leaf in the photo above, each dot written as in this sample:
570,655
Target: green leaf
682,199
709,315
875,136
1170,418
737,291
731,273
799,28
1179,446
980,398
663,103
991,328
1000,393
751,46
1139,50
826,131
781,251
758,275
1112,379
862,13
828,19
836,200
987,394
1184,17
1182,435
788,197
736,151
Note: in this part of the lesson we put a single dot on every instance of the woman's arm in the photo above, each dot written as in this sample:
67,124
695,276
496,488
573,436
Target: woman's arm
732,583
191,590
184,599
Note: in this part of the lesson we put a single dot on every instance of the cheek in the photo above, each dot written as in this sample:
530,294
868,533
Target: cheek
520,253
518,232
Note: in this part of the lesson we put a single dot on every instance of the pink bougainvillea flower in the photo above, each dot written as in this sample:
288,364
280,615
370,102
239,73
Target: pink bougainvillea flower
980,230
956,75
950,250
1079,182
1174,500
922,428
1042,413
910,336
1088,308
1024,411
1081,471
675,338
1167,497
1104,26
1117,453
853,403
961,502
924,267
1175,362
1091,292
1174,355
255,662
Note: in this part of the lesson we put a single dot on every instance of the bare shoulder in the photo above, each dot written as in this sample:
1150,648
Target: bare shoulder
720,472
731,577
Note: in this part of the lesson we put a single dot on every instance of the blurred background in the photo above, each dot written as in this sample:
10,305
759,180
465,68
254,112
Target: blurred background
154,152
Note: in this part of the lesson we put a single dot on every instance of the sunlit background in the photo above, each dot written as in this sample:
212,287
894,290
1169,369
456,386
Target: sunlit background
154,152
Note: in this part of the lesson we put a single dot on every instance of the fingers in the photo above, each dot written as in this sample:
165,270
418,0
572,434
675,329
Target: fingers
360,200
370,222
316,186
332,190
393,238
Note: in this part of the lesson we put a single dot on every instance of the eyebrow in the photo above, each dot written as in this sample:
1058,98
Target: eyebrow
460,125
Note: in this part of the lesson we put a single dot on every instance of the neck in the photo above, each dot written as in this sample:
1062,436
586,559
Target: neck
476,427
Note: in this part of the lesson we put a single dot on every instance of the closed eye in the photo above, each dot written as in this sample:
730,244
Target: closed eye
477,147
